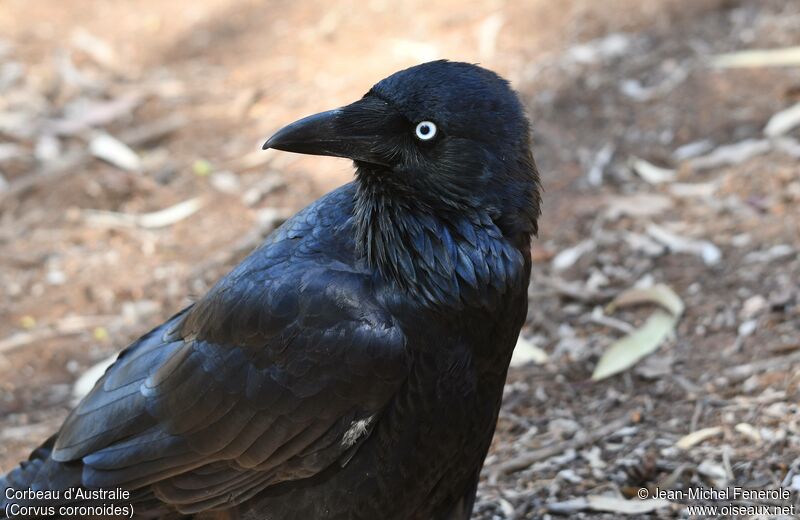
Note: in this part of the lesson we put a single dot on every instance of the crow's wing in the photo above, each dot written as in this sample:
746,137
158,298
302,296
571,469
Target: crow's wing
279,372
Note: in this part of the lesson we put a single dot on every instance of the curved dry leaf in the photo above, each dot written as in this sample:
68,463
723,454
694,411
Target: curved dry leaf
696,437
114,151
567,258
87,380
626,352
525,351
156,219
783,121
97,49
652,173
629,350
659,294
749,431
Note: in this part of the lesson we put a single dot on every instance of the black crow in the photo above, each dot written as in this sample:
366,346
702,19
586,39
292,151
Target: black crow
351,367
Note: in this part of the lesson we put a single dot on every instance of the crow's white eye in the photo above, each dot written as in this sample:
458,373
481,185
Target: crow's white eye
425,130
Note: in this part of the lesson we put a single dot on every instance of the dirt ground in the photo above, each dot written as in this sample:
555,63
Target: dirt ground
656,167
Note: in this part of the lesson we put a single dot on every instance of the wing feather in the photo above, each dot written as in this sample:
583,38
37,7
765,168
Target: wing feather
211,422
255,384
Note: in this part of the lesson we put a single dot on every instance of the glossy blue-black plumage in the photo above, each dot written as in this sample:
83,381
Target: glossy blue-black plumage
352,366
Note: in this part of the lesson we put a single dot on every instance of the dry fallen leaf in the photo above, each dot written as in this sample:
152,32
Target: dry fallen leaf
748,431
693,149
100,334
99,50
625,507
525,351
27,322
567,258
713,471
487,33
783,121
696,437
114,151
156,219
652,173
601,160
609,504
86,382
416,50
710,253
600,49
784,57
639,205
660,294
634,89
703,190
627,351
734,153
202,168
83,114
9,151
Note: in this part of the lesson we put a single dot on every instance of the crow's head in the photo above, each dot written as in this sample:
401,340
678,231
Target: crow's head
443,138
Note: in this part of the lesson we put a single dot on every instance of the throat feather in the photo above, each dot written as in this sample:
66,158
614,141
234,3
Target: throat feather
443,261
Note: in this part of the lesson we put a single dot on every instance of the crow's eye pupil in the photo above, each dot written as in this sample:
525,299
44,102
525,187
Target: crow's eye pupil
425,130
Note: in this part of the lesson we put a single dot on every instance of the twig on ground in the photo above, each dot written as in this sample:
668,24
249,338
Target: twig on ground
73,161
529,458
69,326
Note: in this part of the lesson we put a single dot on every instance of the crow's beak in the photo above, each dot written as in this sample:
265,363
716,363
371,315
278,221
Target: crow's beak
360,131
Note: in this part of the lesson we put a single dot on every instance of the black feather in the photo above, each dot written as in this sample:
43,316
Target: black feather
353,365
